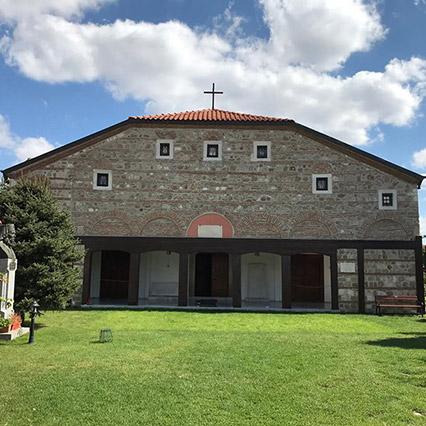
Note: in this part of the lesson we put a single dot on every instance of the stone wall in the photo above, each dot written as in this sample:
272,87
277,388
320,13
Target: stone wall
389,272
269,199
152,196
347,279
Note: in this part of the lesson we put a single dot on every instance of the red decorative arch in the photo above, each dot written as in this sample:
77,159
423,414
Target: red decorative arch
211,219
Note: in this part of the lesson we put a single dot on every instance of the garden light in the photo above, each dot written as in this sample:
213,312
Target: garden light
33,311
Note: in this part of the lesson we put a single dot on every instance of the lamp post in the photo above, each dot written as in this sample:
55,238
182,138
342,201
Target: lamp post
34,305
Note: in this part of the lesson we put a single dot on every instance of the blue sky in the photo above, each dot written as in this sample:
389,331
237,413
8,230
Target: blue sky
354,69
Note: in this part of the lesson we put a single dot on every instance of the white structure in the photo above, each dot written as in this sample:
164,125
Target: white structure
8,265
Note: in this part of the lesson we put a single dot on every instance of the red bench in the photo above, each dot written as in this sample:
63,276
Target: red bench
399,302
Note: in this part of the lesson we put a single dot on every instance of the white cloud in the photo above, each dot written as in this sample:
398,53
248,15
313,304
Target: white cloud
419,159
422,220
169,64
32,147
22,148
13,10
321,33
6,140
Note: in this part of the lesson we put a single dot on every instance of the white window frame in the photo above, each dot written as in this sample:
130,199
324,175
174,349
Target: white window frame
95,180
387,191
219,157
157,149
254,153
314,183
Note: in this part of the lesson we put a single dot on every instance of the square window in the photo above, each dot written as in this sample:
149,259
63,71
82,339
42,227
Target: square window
102,179
261,151
164,149
322,184
212,151
387,199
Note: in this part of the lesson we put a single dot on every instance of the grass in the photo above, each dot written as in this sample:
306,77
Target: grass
180,368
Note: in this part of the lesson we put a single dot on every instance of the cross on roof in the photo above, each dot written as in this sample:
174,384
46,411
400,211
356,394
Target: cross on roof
212,92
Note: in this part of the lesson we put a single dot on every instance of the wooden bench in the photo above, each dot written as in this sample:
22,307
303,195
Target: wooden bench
399,302
206,303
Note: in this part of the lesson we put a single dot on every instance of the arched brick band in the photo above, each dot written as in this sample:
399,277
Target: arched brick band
211,219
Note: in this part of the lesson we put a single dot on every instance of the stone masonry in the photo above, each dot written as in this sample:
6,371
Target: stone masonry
268,199
273,197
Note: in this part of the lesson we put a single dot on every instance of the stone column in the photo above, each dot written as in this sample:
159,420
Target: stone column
133,295
286,298
236,280
183,280
334,282
87,269
361,281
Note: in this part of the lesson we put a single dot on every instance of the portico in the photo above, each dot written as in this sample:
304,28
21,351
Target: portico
248,282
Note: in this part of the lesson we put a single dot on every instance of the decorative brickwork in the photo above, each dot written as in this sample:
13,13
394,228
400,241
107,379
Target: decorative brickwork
261,225
110,223
385,229
312,225
160,227
161,223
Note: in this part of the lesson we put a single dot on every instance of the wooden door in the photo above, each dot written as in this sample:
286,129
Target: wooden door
307,278
220,275
115,275
203,275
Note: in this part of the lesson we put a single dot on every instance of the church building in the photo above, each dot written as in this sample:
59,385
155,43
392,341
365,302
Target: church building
219,208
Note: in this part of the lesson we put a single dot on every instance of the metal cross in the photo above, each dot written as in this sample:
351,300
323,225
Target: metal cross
212,92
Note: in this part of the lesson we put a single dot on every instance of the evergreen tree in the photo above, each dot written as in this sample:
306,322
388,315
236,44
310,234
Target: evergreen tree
45,244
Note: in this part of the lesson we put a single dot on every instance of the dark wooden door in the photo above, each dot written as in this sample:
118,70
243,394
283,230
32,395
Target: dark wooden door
220,275
307,278
211,275
203,275
115,275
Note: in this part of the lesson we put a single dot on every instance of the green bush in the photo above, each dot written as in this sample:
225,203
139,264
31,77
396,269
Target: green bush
44,244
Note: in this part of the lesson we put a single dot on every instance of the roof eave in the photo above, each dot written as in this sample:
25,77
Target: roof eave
67,147
73,146
416,177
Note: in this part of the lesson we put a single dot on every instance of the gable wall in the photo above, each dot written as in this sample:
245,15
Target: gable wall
260,199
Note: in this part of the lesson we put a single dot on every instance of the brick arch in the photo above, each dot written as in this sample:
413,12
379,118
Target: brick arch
161,224
385,229
262,225
385,226
165,134
312,225
211,219
110,223
212,135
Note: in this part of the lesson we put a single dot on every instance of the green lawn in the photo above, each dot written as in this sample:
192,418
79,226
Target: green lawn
179,368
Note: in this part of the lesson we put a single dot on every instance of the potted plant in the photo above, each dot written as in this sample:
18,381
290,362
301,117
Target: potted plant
9,324
5,324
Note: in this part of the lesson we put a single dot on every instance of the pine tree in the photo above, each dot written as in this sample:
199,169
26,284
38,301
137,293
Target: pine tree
45,244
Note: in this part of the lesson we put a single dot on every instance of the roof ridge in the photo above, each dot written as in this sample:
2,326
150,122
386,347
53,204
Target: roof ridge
209,114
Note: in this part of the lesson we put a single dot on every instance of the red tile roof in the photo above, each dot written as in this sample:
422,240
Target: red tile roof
208,115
